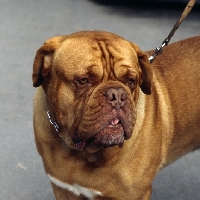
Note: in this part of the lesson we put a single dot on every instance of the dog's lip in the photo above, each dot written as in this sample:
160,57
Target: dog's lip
118,139
110,136
79,144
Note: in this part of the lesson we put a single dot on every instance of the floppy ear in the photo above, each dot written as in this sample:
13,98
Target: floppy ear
43,59
147,73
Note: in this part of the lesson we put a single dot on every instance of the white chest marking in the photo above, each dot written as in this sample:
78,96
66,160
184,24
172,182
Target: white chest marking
75,188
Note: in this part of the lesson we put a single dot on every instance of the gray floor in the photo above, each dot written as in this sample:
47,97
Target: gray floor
24,26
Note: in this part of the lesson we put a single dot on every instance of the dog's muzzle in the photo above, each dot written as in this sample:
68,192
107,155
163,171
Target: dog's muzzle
113,132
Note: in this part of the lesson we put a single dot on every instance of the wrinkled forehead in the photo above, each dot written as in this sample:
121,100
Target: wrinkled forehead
77,55
78,52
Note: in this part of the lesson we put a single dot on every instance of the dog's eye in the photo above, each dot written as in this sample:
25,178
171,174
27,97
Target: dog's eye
83,81
131,83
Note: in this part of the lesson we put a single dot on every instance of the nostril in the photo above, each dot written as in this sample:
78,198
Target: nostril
116,96
123,96
111,94
122,93
113,97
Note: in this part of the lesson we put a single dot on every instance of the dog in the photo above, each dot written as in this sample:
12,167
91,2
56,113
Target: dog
106,120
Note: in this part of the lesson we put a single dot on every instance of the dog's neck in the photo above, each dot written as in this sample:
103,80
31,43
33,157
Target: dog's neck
97,159
52,119
101,158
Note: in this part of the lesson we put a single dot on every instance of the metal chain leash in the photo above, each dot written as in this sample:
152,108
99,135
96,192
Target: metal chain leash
186,11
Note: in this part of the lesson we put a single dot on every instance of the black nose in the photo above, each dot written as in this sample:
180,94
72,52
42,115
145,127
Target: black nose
117,97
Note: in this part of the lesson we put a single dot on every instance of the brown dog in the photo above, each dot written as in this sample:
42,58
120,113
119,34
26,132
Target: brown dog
105,136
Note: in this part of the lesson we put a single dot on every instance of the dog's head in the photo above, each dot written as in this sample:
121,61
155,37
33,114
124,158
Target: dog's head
92,82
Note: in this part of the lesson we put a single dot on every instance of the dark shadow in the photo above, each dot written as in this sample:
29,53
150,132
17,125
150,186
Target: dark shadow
148,4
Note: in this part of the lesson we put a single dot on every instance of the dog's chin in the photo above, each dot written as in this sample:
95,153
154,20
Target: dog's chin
109,136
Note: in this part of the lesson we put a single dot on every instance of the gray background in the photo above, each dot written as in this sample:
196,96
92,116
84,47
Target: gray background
24,26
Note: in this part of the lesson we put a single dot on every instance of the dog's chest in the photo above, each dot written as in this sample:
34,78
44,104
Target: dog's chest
75,188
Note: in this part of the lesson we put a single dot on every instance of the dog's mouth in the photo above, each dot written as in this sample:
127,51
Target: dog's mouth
111,135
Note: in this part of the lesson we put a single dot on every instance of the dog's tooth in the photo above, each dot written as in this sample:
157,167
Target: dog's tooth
115,121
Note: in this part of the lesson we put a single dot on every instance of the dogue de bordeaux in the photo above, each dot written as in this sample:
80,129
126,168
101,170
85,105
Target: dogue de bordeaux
105,120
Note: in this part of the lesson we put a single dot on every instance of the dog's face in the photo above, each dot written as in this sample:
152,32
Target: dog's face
92,81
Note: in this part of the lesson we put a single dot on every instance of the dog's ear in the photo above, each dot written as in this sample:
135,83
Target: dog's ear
43,59
147,73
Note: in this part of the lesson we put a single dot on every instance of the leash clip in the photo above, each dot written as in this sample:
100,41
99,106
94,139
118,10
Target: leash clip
159,50
52,122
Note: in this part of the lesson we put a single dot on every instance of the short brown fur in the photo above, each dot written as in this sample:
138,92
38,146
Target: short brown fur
162,111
